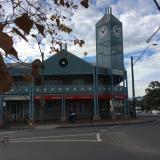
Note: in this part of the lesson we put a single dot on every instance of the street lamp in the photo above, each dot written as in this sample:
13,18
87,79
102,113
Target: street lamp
132,73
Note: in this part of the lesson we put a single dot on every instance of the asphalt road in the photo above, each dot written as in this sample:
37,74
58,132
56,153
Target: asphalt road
127,142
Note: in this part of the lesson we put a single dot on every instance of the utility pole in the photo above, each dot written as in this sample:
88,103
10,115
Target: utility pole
133,89
42,100
1,110
132,72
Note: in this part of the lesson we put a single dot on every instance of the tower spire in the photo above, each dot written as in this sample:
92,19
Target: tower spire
105,12
108,10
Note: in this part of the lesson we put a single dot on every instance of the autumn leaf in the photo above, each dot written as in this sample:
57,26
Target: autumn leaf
3,68
6,80
67,4
53,17
40,29
58,22
55,1
62,2
75,7
84,3
6,83
20,34
24,23
6,42
76,41
80,42
64,28
13,52
1,27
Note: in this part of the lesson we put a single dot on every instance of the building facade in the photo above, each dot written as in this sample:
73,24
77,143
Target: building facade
67,82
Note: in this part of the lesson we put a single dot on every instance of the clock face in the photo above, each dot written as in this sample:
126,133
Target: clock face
63,62
116,31
102,32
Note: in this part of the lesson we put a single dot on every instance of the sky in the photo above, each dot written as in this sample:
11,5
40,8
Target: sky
140,19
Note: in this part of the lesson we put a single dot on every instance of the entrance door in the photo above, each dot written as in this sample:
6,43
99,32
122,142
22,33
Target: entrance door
13,111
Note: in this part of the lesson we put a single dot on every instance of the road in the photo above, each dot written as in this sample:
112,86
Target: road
119,142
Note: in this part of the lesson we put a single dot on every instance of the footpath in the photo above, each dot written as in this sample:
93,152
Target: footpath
54,125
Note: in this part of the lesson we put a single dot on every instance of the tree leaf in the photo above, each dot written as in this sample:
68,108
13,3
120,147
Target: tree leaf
20,34
53,17
13,52
84,3
65,28
6,42
6,83
1,27
40,29
24,23
3,68
80,42
62,2
67,4
55,1
6,80
58,22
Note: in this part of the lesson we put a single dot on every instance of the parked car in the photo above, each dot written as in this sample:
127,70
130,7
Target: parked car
155,112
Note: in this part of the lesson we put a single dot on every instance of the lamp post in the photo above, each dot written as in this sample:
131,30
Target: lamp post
132,74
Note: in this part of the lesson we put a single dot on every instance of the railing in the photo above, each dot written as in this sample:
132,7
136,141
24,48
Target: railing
63,89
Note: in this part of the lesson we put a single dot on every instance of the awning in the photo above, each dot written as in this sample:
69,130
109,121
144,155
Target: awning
15,98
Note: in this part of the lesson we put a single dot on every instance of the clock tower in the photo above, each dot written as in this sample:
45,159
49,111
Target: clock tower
109,42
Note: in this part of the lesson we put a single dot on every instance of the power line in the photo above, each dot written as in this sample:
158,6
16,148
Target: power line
155,1
149,39
143,52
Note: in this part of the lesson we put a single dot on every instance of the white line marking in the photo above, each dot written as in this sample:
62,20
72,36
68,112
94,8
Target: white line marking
11,132
114,127
98,137
42,140
46,131
104,130
33,138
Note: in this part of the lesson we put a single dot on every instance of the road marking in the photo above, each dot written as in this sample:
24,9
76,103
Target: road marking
11,132
45,140
104,130
47,131
114,127
98,137
33,138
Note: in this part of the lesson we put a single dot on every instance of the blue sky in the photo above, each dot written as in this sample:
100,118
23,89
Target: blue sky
140,19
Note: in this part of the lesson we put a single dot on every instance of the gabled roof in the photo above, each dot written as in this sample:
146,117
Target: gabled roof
75,65
19,69
106,18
